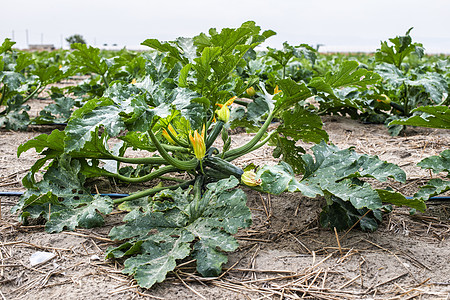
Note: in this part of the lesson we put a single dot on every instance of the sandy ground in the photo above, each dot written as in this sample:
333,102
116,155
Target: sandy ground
284,255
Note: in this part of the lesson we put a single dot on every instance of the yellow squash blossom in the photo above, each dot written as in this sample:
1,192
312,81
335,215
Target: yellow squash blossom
167,135
249,178
223,114
133,81
198,143
277,90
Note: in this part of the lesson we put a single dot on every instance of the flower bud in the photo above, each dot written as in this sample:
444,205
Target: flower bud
223,114
167,135
250,91
249,178
276,90
198,143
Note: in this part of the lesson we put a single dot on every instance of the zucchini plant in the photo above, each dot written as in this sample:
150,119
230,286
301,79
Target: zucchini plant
431,117
176,113
22,77
406,85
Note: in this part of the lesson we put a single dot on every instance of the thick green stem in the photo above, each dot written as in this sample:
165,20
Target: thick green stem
138,160
237,152
152,191
168,178
197,206
182,165
405,104
176,140
105,80
175,148
32,93
152,175
257,146
3,94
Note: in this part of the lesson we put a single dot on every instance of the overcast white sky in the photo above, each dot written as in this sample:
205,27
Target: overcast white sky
347,25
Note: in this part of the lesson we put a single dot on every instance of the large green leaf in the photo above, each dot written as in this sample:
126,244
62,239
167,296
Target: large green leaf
297,124
174,226
53,142
292,93
281,178
400,200
181,49
87,59
302,124
58,112
289,152
432,188
437,163
229,38
349,74
434,85
87,216
427,116
334,172
79,131
158,259
62,198
402,46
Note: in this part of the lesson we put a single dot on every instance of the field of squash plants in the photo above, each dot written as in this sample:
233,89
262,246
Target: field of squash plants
181,106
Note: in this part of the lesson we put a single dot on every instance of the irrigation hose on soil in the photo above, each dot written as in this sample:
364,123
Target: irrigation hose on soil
115,195
18,194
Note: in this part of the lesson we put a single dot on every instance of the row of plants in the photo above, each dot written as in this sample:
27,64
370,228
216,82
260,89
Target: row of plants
26,75
177,104
407,79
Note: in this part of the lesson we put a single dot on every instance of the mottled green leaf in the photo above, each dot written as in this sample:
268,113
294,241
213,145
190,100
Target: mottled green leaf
169,232
432,188
427,116
209,259
78,131
437,163
58,112
301,124
292,93
157,260
87,216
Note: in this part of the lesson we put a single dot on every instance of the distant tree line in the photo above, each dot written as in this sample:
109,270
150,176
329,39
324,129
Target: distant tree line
76,38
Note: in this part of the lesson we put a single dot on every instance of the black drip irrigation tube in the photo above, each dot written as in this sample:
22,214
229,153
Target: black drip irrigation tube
18,194
116,195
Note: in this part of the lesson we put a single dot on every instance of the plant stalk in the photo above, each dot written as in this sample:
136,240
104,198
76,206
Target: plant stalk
237,152
152,191
257,146
182,165
152,175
